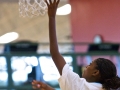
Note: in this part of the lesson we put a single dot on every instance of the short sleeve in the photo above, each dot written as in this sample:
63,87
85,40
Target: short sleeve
70,80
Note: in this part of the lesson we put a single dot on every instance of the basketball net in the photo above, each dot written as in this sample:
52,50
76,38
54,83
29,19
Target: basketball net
30,8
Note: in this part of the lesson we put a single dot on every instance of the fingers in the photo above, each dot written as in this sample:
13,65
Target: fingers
54,1
58,2
47,2
38,84
50,2
34,82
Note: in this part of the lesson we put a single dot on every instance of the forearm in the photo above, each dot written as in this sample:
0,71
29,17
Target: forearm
52,36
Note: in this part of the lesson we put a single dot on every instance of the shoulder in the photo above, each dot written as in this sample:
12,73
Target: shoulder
68,72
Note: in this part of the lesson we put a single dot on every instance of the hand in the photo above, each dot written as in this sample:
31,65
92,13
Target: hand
52,7
41,86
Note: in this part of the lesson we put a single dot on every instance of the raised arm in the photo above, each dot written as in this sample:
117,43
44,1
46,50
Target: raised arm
56,56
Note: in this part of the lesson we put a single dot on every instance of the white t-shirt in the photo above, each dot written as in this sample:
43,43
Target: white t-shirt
71,81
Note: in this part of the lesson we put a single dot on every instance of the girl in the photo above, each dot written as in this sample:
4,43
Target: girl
99,75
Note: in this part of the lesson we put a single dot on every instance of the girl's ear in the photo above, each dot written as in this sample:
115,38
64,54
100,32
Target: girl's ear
96,73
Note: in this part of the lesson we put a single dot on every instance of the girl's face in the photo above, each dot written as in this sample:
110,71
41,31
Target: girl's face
90,72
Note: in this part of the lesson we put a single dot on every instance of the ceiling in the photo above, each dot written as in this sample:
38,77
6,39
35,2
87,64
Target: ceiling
33,29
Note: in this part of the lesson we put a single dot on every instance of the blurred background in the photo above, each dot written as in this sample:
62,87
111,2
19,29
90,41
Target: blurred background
86,30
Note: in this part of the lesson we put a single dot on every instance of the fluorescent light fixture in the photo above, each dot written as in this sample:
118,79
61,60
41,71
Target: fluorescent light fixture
64,10
8,37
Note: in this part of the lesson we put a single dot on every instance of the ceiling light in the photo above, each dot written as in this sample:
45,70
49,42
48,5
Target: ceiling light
8,37
64,10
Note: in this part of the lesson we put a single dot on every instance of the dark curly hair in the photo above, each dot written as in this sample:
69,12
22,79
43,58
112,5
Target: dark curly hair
108,72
